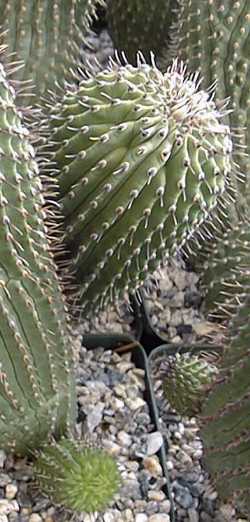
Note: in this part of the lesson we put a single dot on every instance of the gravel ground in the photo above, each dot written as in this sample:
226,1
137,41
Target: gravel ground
174,305
112,414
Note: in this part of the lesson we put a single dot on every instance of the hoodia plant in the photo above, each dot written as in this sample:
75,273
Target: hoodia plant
225,415
139,25
45,37
214,38
37,383
142,159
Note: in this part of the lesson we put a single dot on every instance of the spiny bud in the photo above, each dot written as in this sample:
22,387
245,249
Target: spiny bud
186,379
79,478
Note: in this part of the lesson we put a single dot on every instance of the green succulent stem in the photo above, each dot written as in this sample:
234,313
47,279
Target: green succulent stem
46,38
37,382
225,419
139,25
134,152
214,39
37,395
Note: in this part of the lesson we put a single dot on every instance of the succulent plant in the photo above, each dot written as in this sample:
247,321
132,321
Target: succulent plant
46,36
139,25
186,379
225,417
85,479
224,269
37,395
142,159
37,385
213,38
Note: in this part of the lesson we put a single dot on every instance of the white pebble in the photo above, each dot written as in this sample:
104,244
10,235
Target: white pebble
135,404
5,507
129,517
198,454
212,496
11,491
166,506
154,442
141,517
90,518
181,428
2,458
120,390
159,517
35,518
132,465
112,448
138,381
94,416
3,518
176,339
158,496
169,465
15,505
124,366
180,280
117,404
124,438
108,517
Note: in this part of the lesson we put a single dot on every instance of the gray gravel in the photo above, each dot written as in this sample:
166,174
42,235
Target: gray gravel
174,301
113,415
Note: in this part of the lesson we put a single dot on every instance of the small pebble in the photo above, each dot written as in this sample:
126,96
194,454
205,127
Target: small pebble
183,497
112,448
169,465
108,517
158,496
5,507
165,506
11,491
141,517
35,518
4,479
152,465
154,442
193,516
124,438
159,517
135,404
2,458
